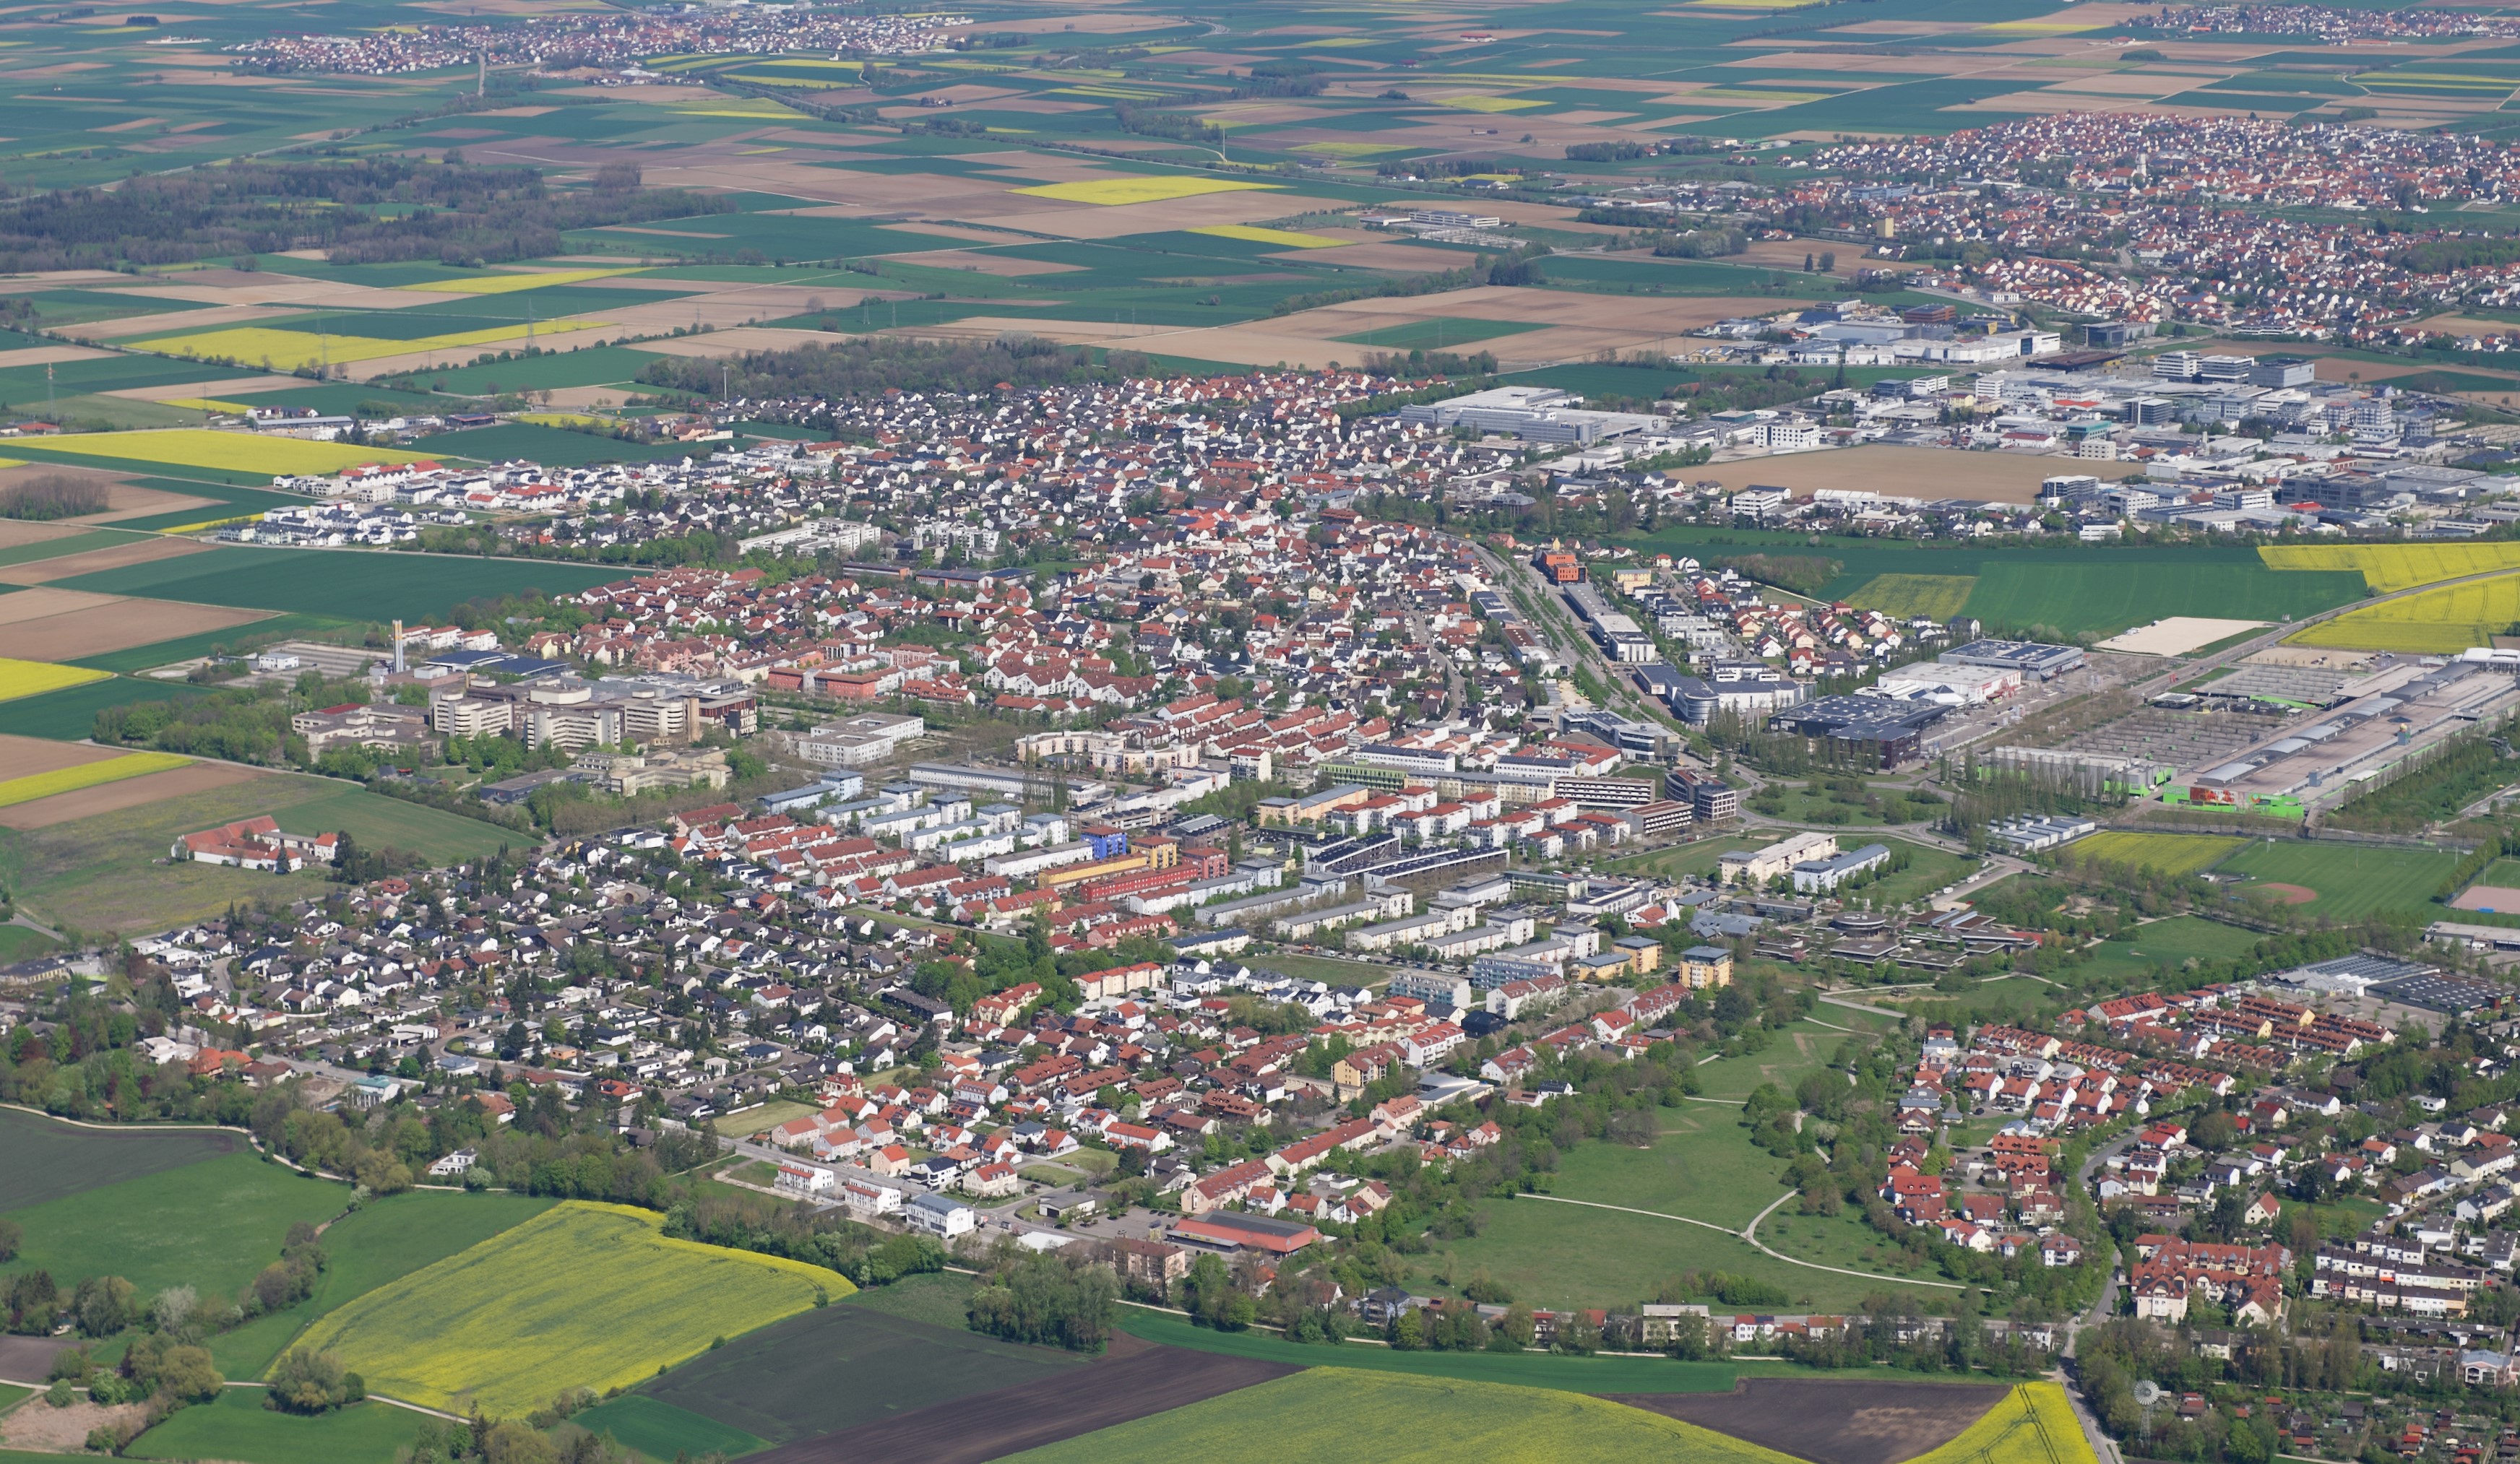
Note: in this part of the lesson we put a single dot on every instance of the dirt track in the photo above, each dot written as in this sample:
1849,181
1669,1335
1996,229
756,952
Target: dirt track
1134,1383
1832,1422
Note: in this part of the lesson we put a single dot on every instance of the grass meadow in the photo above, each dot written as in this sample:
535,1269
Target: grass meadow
211,1225
238,1427
582,1295
107,872
45,1160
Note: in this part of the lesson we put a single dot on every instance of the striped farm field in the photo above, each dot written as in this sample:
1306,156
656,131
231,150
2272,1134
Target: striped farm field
242,452
1284,238
86,775
2442,621
2396,567
35,678
1146,188
581,1295
273,349
2160,853
1938,595
511,283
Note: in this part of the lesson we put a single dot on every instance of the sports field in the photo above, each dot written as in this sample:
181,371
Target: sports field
2161,853
2395,566
1327,1412
2435,622
583,1295
211,1225
2349,879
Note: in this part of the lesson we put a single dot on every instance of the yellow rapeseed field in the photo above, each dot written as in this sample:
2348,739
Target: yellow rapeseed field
511,283
2033,1425
36,785
2396,567
1140,189
1324,1412
1284,238
35,678
288,350
238,452
1939,595
2437,622
581,1295
2162,853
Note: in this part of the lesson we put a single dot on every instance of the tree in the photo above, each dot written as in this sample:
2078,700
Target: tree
186,1375
105,1305
304,1382
32,1303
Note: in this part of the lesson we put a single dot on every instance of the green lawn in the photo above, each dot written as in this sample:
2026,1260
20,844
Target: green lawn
210,1226
238,1427
2352,880
2171,942
1330,969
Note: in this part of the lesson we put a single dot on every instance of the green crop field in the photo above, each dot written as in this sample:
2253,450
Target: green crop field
1521,1369
372,585
839,1366
1324,1412
383,1241
661,1431
210,1224
2351,880
46,1159
102,872
580,1296
69,714
238,1427
2078,598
